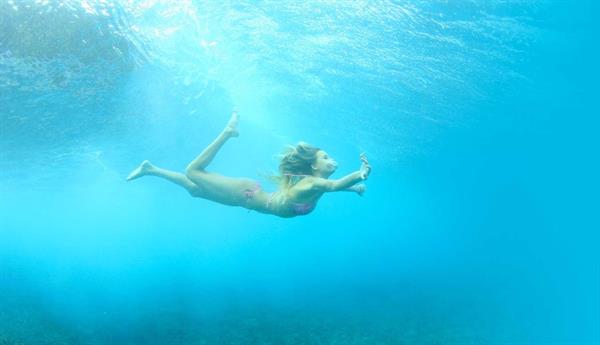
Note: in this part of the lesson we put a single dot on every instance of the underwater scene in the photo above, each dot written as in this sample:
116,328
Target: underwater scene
343,172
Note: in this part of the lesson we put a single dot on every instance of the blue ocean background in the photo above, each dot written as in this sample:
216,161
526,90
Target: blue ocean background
479,225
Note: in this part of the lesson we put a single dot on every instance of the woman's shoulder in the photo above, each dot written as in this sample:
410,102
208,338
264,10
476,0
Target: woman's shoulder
303,180
309,187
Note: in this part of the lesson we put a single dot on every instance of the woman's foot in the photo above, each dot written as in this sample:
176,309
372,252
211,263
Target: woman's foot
140,171
231,128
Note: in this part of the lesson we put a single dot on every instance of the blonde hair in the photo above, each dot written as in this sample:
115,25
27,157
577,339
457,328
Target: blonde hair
294,161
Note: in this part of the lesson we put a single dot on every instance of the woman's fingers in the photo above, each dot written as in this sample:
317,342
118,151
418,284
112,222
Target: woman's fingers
365,168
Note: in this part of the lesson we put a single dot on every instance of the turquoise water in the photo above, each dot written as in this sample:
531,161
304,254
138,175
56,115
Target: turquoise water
478,226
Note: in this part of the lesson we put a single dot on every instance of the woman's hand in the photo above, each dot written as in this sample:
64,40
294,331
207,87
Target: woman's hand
360,188
365,168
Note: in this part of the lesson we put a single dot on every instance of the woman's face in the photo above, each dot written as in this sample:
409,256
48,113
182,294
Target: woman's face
324,165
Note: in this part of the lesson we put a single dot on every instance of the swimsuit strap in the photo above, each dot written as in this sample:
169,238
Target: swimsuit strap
270,199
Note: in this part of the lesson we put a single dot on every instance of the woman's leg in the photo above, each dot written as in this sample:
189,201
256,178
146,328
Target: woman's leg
204,159
211,186
146,168
222,189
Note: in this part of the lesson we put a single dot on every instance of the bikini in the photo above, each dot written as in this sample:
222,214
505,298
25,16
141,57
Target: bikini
297,208
250,192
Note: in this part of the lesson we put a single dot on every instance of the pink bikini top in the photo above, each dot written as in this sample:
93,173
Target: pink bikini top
302,208
296,207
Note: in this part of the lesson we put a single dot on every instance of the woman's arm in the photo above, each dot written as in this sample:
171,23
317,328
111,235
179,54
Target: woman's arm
325,185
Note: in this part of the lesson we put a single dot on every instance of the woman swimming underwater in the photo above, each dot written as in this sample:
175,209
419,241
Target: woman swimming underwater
304,178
